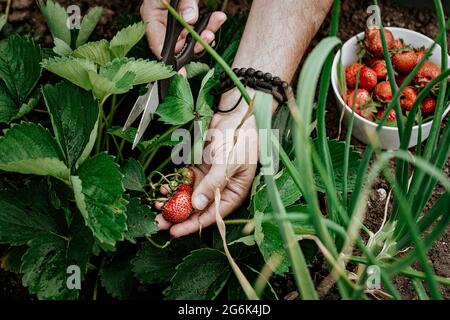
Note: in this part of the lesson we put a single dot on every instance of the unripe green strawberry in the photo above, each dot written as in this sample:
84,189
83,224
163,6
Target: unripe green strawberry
186,176
178,208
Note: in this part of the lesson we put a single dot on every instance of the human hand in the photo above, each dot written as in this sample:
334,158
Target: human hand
228,166
154,12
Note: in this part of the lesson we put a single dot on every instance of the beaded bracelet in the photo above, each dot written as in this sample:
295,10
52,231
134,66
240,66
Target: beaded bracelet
254,79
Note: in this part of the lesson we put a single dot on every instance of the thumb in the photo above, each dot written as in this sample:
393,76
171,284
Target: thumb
189,10
204,193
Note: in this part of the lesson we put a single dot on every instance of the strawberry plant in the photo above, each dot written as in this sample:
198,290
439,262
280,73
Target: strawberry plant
74,193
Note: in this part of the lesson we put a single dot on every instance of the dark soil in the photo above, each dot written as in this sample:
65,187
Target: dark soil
25,16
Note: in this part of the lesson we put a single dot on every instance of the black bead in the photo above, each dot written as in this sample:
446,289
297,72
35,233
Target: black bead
250,72
267,77
285,85
277,81
236,70
241,72
259,74
223,76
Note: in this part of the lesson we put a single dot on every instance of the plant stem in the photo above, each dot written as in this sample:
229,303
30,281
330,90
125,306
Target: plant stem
8,8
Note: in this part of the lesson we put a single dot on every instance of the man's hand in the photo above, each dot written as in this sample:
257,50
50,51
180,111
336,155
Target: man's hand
230,166
153,12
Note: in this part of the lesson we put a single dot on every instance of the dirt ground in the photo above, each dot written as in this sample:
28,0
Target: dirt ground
24,14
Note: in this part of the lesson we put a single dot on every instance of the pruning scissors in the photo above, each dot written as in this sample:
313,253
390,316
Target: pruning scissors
148,103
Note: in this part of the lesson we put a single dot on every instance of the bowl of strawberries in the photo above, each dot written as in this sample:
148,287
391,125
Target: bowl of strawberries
366,98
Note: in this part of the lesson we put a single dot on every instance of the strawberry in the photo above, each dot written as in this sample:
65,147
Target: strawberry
351,72
398,44
372,41
426,73
391,116
383,91
379,66
419,54
364,105
367,77
407,98
428,105
186,188
178,208
404,61
185,176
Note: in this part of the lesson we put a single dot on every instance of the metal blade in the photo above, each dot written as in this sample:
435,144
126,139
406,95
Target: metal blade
138,108
149,110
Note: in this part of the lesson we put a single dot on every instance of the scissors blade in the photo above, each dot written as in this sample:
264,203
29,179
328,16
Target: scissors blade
138,108
149,110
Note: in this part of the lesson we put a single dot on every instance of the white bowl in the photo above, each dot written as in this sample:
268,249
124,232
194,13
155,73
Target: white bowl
364,129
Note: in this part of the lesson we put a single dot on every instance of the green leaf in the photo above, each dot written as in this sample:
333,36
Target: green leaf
97,52
196,69
98,192
103,88
147,71
74,118
270,243
178,107
155,265
8,107
3,21
12,259
56,17
46,261
20,71
205,101
75,70
288,190
88,25
337,151
117,278
30,149
126,39
134,175
21,220
201,276
61,48
140,221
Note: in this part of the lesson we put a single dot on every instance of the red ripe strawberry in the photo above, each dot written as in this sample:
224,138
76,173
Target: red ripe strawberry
407,98
428,72
186,176
186,188
178,208
391,116
398,44
372,41
351,72
379,66
383,91
363,103
405,61
419,54
367,78
428,105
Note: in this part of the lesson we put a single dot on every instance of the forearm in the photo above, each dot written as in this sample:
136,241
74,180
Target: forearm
277,35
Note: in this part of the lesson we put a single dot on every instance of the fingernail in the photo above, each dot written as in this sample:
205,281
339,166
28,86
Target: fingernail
200,202
188,14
